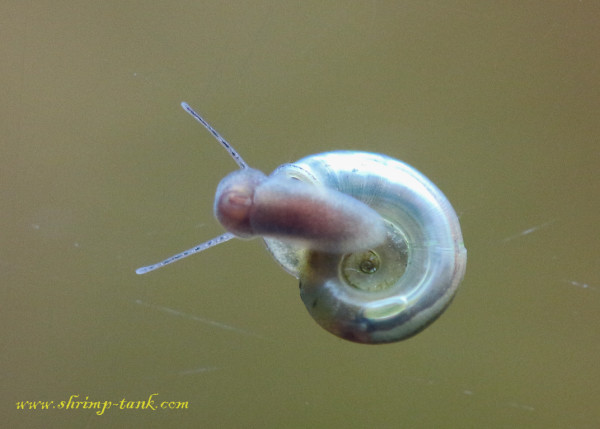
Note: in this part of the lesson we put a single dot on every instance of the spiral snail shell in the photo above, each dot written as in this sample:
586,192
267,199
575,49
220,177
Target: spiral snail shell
387,255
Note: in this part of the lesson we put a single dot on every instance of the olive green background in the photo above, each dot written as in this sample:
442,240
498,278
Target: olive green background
102,172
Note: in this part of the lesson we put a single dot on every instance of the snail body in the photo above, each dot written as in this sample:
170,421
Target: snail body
249,204
376,246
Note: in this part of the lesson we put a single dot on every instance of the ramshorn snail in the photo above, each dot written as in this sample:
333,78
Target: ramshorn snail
375,244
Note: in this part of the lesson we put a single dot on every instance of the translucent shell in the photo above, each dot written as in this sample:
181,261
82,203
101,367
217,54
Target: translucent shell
396,289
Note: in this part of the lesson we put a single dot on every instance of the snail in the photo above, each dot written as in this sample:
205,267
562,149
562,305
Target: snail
376,246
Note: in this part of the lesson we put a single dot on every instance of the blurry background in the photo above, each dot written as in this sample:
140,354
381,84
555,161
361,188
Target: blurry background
102,172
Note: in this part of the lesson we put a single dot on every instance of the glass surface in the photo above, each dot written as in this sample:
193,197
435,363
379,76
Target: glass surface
102,172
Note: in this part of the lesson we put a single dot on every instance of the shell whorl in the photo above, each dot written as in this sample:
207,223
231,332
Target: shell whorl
394,290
